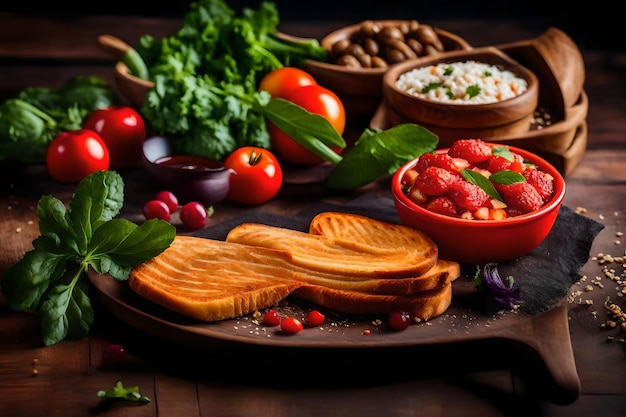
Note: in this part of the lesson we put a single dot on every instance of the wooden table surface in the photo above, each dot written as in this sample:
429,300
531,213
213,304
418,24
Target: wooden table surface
182,381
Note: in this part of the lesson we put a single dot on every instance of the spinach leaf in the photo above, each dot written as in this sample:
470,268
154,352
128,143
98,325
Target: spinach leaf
49,279
378,153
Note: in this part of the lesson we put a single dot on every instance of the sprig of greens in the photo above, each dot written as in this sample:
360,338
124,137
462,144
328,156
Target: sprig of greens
49,279
30,120
504,177
380,152
206,76
119,392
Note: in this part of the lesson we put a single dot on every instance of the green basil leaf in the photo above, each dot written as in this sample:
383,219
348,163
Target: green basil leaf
98,198
144,242
502,151
481,181
377,153
309,129
25,282
53,223
67,312
506,177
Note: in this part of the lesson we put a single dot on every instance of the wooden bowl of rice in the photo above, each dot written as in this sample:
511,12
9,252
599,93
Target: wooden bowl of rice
480,93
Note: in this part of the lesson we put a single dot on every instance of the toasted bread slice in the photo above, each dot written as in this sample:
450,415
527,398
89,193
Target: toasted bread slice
411,254
213,280
424,305
443,273
365,230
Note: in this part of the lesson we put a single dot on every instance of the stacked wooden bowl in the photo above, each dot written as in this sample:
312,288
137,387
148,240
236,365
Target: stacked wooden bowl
558,130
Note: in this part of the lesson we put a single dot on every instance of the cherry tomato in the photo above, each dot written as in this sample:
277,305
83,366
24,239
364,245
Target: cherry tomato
156,209
258,175
194,215
291,325
314,318
399,320
123,130
271,318
168,198
282,80
74,154
316,99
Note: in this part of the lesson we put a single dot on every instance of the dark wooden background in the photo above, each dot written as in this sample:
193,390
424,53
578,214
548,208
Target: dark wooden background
596,24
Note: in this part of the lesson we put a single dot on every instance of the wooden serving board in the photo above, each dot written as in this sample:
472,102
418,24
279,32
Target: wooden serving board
537,347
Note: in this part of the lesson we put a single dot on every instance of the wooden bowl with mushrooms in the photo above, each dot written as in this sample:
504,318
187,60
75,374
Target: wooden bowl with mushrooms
361,54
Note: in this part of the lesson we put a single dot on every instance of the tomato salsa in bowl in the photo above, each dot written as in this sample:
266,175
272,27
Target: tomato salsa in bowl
443,194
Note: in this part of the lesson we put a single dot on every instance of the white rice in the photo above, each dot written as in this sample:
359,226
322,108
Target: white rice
468,82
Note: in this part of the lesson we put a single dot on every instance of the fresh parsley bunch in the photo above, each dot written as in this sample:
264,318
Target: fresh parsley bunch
49,279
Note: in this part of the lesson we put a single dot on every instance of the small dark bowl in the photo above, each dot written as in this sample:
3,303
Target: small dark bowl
190,178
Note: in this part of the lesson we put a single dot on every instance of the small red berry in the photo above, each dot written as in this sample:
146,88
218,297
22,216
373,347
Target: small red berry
113,354
271,318
291,325
168,198
194,215
314,318
156,209
399,320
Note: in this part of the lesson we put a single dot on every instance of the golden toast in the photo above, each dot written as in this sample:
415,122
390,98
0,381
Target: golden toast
212,280
410,254
424,305
443,273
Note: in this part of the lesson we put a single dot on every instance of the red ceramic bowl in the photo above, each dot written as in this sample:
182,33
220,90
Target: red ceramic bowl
482,241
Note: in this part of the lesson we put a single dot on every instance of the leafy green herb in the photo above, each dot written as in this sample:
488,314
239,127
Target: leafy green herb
29,121
207,74
430,87
119,392
473,90
49,279
483,182
312,131
506,177
448,70
488,74
377,153
502,151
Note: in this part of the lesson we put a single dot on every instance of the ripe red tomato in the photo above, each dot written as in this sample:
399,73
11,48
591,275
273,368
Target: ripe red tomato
282,80
74,154
123,130
258,175
316,99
